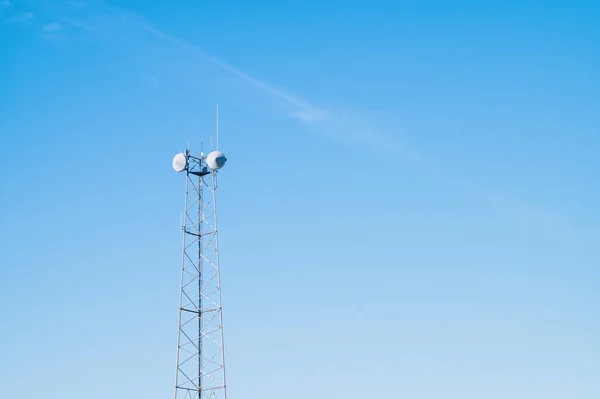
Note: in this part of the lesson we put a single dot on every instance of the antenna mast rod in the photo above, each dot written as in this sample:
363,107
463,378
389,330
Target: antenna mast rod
217,127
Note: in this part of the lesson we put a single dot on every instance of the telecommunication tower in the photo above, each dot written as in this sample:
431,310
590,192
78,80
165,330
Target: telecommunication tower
200,360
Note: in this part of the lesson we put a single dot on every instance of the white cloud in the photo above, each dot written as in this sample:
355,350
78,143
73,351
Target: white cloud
308,116
53,27
52,31
23,18
148,80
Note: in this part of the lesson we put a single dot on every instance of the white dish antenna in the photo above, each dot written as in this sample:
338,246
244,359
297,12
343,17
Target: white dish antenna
215,160
180,162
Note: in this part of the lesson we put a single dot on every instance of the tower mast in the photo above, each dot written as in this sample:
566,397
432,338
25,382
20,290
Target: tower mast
200,369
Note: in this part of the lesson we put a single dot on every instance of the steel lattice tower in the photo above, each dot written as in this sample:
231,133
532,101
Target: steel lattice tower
200,370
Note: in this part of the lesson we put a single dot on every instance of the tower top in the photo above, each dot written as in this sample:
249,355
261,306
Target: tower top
215,161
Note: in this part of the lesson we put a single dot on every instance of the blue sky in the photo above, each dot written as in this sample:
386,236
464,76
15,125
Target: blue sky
409,208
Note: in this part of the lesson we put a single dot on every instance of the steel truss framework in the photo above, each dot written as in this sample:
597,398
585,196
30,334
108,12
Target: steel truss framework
200,352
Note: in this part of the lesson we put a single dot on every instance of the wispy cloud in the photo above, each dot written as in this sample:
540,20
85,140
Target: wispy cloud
22,18
52,31
148,80
352,127
304,110
53,27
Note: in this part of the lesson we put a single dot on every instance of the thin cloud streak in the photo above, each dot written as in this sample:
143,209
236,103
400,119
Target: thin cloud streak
306,111
52,27
23,18
346,127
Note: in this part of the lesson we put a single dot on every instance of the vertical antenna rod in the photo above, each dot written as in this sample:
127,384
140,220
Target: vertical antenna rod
217,127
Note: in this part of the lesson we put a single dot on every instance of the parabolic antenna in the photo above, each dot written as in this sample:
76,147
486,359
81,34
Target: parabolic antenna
215,160
179,162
